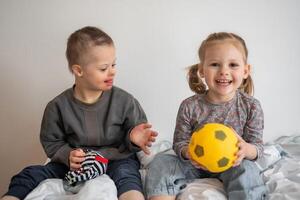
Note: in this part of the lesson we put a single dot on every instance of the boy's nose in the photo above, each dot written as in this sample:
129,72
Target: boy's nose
112,71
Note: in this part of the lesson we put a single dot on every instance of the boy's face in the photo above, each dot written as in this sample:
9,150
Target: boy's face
99,72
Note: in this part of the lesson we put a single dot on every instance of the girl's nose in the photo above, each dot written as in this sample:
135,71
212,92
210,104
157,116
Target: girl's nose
224,70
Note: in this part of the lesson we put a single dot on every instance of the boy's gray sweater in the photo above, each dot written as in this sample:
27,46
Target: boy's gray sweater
103,126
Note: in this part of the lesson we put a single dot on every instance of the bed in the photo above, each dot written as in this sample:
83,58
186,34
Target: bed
279,165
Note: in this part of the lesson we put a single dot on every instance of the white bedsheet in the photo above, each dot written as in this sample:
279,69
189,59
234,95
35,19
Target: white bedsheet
100,188
283,178
280,166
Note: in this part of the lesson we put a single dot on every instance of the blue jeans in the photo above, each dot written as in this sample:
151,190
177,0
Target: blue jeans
168,175
25,181
125,174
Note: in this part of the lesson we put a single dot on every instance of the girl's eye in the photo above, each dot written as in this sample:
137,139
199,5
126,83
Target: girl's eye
233,65
214,64
113,65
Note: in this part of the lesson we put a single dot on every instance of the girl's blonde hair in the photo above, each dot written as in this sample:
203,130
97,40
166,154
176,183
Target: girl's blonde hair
195,82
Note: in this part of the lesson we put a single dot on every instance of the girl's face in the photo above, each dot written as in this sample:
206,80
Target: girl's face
224,70
99,72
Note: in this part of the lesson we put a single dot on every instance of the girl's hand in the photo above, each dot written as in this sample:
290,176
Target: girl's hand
76,157
143,136
242,150
186,155
246,150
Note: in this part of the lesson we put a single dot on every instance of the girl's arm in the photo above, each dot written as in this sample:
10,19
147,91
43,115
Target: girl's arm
251,143
253,130
182,133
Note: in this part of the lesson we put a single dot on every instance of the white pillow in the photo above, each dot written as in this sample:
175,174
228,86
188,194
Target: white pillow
101,188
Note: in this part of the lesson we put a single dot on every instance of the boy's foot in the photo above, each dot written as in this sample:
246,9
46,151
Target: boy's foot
9,198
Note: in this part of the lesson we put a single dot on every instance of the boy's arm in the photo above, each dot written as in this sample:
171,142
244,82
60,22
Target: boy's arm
52,136
135,115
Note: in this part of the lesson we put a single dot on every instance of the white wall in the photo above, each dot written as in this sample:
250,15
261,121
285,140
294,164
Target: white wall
155,41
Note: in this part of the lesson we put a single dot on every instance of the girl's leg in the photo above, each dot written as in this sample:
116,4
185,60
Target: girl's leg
244,182
24,182
166,177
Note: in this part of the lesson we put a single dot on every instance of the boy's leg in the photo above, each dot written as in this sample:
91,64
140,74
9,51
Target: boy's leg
126,176
132,194
162,197
25,181
244,182
9,198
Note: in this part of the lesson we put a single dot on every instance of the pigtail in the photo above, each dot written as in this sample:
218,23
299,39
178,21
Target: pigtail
195,82
247,86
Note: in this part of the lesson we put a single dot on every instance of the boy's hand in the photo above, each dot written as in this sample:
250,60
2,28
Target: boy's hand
246,150
76,157
143,136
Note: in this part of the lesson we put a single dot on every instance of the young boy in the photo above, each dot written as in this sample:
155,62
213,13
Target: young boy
93,114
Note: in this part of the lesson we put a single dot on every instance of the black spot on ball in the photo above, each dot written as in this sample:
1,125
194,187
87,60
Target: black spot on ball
199,151
220,135
223,162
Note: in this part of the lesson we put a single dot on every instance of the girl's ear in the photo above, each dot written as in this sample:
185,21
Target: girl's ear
200,70
77,70
247,71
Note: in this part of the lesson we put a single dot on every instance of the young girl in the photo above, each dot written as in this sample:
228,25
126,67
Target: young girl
224,98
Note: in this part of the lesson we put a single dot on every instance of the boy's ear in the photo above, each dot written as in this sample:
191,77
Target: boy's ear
200,70
247,71
77,70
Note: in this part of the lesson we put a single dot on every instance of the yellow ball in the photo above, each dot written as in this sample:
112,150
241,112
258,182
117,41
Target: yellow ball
214,146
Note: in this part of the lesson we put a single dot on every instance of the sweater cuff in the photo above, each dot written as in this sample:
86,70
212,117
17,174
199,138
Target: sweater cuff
259,151
131,146
62,155
180,155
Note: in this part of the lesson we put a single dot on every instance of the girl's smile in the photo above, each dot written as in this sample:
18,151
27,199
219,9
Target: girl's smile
223,82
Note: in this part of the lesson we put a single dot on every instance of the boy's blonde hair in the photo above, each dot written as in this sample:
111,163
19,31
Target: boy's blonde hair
81,40
195,82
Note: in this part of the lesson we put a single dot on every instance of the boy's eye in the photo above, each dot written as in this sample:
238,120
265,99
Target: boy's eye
103,69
